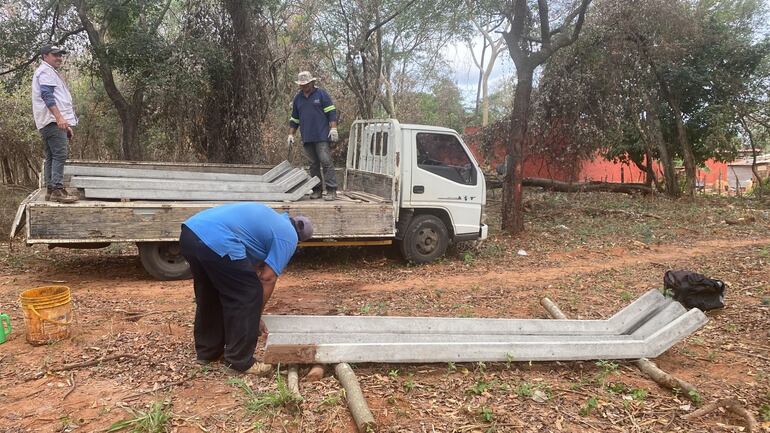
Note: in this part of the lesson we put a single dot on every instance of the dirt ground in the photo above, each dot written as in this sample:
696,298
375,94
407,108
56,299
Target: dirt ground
590,253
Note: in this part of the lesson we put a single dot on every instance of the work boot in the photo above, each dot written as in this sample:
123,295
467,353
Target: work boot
62,196
331,195
315,194
259,369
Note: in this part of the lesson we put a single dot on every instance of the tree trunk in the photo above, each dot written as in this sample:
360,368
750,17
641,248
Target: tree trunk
684,143
129,113
759,187
130,119
513,211
656,128
246,105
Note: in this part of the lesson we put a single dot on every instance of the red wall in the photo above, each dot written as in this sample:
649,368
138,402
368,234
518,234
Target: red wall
598,169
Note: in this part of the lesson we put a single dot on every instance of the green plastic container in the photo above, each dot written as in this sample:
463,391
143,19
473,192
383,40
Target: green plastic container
5,327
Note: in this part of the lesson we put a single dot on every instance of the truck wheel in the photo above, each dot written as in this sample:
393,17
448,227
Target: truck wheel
425,240
163,260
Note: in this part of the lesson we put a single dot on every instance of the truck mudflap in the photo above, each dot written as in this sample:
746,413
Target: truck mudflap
483,232
475,236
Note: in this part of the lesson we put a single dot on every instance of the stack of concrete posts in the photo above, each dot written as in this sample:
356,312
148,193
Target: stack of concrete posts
281,183
646,328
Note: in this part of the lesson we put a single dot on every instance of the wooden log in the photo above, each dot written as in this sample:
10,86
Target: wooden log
730,404
292,380
356,402
555,185
666,380
645,365
552,309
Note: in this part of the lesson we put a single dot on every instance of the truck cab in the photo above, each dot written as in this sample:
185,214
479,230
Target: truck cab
438,190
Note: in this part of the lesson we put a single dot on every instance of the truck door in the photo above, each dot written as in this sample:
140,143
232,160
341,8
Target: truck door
445,176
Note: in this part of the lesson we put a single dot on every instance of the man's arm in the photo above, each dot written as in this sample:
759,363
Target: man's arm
46,94
268,278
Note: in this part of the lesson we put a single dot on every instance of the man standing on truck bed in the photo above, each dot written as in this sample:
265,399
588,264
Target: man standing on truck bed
54,118
236,253
316,117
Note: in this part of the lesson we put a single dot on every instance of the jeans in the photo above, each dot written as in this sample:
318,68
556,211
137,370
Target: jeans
320,156
56,149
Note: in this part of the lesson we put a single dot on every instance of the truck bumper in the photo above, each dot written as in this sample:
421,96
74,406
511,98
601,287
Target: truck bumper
483,232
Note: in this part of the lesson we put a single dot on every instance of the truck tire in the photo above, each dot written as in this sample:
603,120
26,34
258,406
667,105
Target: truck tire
425,240
163,260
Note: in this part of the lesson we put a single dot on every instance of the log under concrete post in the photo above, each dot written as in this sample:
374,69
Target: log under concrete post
356,402
292,380
645,365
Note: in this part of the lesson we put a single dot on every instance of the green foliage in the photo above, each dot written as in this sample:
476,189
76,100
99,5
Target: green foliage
638,394
478,388
153,420
409,383
332,399
616,91
764,412
524,389
486,414
695,397
265,401
590,404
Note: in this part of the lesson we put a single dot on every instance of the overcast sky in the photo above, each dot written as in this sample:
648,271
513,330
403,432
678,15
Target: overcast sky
465,73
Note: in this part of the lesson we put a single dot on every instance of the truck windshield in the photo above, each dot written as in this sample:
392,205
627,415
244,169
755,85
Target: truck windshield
443,155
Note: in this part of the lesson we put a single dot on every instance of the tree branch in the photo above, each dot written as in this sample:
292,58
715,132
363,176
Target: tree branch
105,69
159,21
34,56
388,19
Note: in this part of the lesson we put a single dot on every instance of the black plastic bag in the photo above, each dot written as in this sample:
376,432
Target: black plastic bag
695,290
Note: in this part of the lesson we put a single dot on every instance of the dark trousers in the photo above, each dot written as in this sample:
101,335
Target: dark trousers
56,149
228,300
320,156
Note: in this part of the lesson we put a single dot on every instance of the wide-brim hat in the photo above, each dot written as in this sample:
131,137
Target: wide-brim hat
305,77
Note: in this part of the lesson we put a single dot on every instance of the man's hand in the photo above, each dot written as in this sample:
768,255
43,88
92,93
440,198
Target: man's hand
334,136
62,123
263,328
70,133
290,139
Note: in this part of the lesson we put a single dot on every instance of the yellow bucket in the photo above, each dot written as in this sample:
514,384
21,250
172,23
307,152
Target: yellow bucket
47,313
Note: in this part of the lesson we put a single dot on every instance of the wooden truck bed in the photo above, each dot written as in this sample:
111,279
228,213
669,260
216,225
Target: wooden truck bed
356,214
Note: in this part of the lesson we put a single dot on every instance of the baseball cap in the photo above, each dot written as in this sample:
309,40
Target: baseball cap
304,227
52,49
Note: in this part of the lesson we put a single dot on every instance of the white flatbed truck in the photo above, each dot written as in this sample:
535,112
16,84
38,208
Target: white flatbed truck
416,185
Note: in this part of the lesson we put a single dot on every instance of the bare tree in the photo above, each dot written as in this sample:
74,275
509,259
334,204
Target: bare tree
534,36
495,44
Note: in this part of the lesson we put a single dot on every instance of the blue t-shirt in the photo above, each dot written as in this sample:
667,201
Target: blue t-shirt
247,230
312,114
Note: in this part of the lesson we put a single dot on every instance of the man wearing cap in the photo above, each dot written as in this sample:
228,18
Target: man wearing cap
236,253
54,118
313,112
